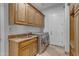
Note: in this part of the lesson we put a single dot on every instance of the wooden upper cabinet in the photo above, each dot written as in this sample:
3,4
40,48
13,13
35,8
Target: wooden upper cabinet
31,15
20,13
11,13
25,14
42,21
17,13
39,19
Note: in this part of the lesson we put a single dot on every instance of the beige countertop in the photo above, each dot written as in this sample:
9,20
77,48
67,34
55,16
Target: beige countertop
21,39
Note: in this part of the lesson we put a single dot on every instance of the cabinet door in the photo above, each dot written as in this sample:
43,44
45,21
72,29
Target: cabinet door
71,33
25,51
76,17
26,15
31,49
34,47
11,13
42,20
38,19
20,13
31,15
72,28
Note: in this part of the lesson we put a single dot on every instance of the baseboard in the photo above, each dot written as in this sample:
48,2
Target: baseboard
57,45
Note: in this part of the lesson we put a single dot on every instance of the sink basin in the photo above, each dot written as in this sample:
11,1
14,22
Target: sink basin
24,36
29,36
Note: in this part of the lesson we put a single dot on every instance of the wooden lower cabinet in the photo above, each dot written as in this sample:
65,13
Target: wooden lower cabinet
26,48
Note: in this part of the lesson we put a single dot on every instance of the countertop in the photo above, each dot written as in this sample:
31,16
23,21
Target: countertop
21,39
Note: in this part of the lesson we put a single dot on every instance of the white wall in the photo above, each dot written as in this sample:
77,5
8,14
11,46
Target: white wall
67,27
4,29
0,29
55,24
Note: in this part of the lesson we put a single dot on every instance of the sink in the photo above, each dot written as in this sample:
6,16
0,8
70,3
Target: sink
29,36
24,36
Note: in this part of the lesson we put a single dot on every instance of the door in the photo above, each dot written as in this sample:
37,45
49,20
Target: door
20,13
76,17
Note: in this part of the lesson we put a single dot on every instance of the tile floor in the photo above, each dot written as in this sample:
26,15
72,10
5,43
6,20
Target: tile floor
53,51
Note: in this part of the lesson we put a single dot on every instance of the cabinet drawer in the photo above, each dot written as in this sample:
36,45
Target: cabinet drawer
22,44
25,43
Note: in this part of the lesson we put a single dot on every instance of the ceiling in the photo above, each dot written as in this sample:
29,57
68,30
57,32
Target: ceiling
42,6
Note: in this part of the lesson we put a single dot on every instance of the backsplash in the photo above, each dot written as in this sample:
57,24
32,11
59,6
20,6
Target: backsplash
20,29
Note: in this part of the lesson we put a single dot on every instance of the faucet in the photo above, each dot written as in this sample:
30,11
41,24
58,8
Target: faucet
30,33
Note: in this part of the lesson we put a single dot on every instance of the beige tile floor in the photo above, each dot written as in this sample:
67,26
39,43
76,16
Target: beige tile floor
53,51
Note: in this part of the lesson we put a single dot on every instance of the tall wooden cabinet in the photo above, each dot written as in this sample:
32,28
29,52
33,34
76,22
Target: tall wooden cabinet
76,17
20,13
74,29
25,14
72,32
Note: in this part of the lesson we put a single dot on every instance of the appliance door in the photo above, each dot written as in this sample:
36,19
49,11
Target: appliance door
40,45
